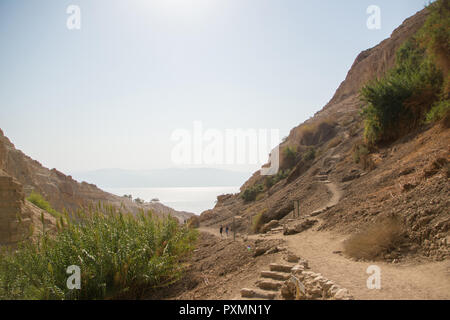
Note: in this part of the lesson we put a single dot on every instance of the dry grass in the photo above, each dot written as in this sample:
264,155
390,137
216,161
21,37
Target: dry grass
257,222
361,155
376,240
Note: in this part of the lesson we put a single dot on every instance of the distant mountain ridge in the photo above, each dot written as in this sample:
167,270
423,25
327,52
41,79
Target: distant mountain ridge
62,191
163,178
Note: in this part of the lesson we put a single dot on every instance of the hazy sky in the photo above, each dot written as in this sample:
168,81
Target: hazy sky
111,94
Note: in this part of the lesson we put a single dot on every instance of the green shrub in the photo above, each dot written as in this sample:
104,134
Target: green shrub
361,155
270,181
39,201
440,110
119,255
435,33
290,157
397,103
310,154
250,193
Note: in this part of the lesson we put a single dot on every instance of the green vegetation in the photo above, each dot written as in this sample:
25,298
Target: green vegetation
119,255
270,181
361,155
310,154
435,33
250,193
397,103
440,110
39,201
401,101
290,157
360,150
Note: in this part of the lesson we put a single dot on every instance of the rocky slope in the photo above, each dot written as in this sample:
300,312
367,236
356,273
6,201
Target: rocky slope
408,178
20,175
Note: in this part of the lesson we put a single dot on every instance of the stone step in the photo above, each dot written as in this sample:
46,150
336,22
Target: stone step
275,275
258,293
270,285
284,268
276,230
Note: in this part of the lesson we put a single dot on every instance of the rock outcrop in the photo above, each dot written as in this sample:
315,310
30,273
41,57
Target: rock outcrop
408,178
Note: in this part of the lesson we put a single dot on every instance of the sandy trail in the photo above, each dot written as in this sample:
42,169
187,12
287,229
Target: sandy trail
430,280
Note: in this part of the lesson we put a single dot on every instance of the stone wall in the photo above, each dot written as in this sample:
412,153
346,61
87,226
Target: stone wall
12,200
19,219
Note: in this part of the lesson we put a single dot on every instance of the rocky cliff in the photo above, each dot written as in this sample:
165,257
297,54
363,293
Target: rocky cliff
348,195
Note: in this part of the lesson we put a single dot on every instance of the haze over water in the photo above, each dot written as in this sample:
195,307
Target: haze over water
191,199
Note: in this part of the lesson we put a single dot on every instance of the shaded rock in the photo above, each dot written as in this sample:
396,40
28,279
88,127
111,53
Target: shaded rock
305,225
268,226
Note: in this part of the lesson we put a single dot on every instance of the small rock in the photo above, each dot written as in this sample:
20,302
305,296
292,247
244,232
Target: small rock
327,285
288,290
292,258
333,290
259,252
298,269
342,294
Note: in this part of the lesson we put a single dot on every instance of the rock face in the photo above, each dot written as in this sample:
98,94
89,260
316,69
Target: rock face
19,219
62,191
334,131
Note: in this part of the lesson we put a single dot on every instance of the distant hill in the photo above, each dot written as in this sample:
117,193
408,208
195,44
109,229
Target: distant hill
163,178
21,175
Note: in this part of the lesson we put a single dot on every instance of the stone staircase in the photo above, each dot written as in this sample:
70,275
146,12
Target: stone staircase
322,177
270,282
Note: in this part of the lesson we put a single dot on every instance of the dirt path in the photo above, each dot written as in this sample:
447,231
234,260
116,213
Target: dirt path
429,280
398,281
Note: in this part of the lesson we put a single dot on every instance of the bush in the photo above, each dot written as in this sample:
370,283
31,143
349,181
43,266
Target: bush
435,33
361,155
290,157
439,111
376,240
257,222
39,201
360,151
250,193
270,181
310,154
119,255
397,103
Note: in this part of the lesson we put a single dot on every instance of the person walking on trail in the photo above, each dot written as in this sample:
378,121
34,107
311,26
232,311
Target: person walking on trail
226,231
221,231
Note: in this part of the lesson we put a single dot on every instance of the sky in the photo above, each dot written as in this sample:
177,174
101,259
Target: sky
112,93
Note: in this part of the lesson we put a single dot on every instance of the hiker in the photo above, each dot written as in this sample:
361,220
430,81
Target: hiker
221,231
226,231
